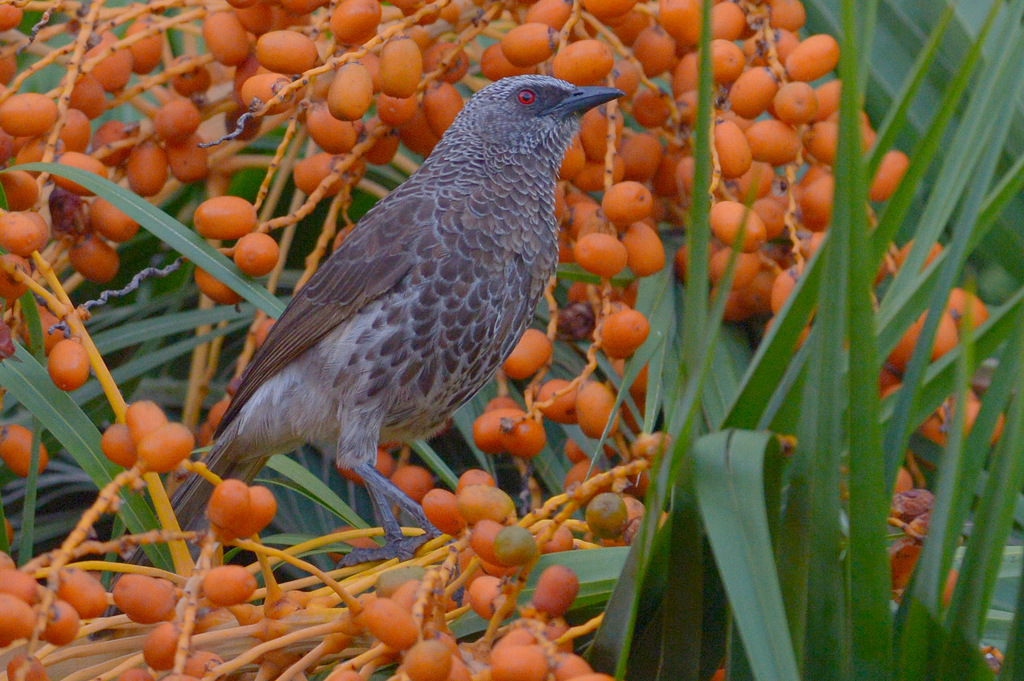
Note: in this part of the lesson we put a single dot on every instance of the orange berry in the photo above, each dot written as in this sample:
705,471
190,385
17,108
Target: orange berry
600,254
256,254
117,445
681,18
488,426
68,365
147,169
228,585
531,353
479,502
494,65
62,623
83,592
390,623
354,22
481,539
16,619
441,104
734,155
146,600
226,38
95,259
143,418
511,662
753,92
788,14
484,595
313,170
415,481
177,119
75,159
23,233
585,62
330,134
796,103
554,13
442,510
640,153
474,476
524,439
608,9
11,288
645,252
813,58
351,92
773,142
163,449
594,133
563,409
561,540
821,141
20,188
225,217
529,44
887,178
27,114
594,404
148,52
727,218
727,61
655,50
19,584
627,202
816,203
289,52
188,161
16,450
110,221
214,289
239,510
159,647
429,660
623,332
401,67
10,17
556,590
265,87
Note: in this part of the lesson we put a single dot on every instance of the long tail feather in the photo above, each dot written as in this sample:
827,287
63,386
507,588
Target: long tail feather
190,498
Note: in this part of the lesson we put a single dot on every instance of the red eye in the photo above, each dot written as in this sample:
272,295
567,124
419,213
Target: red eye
526,97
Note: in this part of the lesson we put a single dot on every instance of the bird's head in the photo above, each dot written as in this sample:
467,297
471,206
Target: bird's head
528,114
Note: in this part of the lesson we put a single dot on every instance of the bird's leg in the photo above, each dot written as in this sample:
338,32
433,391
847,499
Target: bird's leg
383,493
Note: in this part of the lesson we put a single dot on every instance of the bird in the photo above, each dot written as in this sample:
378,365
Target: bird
416,309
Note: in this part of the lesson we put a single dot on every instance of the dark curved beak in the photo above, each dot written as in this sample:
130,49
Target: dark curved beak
582,99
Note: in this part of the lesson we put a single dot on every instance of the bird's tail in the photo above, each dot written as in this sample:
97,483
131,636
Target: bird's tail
228,459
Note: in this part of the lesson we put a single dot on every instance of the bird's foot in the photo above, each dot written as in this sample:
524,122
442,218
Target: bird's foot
402,548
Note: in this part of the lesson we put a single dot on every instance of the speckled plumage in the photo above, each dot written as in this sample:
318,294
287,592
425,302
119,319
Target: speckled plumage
420,304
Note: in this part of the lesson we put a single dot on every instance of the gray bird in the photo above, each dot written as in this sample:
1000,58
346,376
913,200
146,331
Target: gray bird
417,308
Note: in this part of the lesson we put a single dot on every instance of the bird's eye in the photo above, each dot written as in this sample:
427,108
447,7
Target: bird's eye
526,97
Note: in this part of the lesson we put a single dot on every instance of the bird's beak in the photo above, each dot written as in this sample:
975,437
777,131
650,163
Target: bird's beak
583,99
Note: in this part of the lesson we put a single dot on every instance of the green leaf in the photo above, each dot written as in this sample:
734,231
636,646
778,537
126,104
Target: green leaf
597,569
170,231
730,486
28,382
305,483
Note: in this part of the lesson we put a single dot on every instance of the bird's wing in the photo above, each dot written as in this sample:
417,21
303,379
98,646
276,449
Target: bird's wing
372,259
